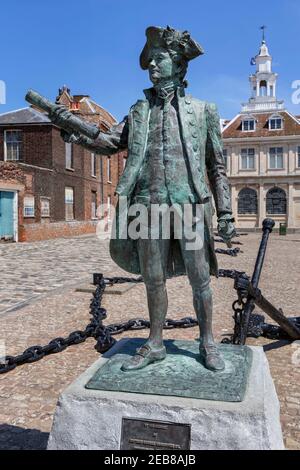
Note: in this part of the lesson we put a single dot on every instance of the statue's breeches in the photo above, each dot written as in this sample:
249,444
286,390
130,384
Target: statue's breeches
154,256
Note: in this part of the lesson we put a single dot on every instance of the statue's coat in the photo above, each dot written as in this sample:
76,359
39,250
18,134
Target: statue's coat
201,135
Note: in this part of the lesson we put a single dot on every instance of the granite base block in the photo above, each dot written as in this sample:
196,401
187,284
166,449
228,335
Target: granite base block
92,419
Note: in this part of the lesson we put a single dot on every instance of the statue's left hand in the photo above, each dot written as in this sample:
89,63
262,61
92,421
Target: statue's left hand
70,138
226,228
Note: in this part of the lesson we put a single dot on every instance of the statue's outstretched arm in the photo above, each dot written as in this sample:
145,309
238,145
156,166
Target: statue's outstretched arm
76,130
113,141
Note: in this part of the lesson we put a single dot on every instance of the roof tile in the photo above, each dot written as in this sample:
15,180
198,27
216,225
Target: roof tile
234,130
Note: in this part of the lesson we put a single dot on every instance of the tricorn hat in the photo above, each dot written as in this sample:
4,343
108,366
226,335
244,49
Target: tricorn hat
169,39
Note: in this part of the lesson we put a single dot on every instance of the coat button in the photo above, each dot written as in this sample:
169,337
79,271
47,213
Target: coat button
195,148
188,101
192,123
195,135
190,111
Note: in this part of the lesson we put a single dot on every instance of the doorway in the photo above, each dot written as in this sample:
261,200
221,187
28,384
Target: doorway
7,215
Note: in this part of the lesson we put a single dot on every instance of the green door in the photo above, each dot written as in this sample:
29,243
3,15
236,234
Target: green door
6,214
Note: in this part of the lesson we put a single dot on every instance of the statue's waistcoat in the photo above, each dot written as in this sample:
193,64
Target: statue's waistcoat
193,125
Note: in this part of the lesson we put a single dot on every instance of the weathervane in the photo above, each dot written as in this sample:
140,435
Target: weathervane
263,28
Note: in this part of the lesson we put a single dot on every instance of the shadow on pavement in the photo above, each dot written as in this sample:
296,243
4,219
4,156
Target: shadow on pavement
16,438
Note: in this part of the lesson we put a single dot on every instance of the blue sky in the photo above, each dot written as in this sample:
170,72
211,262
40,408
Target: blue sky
93,46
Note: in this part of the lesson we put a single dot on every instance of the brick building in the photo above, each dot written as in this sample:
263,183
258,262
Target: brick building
262,154
49,188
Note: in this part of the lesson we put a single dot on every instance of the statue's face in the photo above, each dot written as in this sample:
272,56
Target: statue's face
161,65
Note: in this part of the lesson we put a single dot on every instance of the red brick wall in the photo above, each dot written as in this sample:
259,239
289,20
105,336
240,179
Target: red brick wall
36,147
80,179
46,231
117,166
43,147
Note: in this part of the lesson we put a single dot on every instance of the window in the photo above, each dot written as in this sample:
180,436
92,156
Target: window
275,123
248,159
247,202
225,156
248,125
13,145
45,207
93,164
94,205
69,156
69,203
276,158
298,158
29,206
276,201
109,170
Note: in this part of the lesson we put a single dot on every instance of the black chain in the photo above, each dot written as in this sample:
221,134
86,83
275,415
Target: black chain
231,273
103,334
94,329
229,252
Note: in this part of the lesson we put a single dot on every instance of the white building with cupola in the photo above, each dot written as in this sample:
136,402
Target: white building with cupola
262,153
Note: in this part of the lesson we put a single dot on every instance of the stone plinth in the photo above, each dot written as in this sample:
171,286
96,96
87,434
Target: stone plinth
89,418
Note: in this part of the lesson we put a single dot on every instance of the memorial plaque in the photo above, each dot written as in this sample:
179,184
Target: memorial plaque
140,434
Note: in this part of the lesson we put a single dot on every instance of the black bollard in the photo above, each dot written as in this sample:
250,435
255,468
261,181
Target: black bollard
268,225
97,278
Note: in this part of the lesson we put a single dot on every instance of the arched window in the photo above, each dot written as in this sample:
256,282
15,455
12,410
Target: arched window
276,201
247,203
263,88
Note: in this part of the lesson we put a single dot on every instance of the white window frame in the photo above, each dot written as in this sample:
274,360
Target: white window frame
298,156
43,199
248,158
248,120
276,158
69,155
67,202
276,117
5,144
29,206
93,165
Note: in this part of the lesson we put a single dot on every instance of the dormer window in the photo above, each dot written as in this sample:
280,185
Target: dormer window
275,123
248,124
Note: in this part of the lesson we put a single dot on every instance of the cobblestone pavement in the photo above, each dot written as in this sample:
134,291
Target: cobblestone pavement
35,269
29,393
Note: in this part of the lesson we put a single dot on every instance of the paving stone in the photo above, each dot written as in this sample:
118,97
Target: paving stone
69,263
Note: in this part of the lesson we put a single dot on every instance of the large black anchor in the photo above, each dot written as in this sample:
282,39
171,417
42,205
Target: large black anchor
250,295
